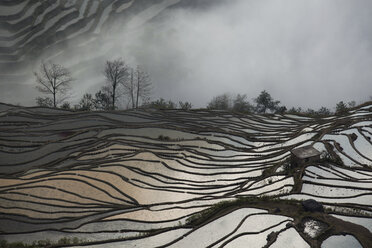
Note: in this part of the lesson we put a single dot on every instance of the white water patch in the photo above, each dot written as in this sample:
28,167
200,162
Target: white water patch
329,191
153,133
299,139
290,239
353,173
344,183
363,124
307,129
256,225
150,242
347,149
347,161
363,221
297,117
367,129
269,184
115,225
354,177
203,236
319,146
349,131
363,146
158,216
318,172
347,241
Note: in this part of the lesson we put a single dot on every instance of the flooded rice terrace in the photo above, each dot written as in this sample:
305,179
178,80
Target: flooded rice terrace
175,178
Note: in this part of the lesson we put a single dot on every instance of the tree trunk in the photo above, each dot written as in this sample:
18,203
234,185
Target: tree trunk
54,92
132,88
113,99
113,95
138,88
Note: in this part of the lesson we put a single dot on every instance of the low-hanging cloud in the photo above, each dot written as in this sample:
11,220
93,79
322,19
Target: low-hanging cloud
304,53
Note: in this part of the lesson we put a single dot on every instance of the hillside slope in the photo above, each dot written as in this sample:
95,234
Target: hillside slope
148,178
79,34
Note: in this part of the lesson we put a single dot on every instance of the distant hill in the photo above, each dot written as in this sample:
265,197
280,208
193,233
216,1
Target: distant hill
75,33
29,29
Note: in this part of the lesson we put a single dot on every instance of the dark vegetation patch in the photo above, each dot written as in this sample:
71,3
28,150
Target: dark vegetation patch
42,243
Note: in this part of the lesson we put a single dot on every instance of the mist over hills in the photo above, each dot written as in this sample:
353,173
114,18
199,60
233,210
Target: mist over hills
305,53
74,33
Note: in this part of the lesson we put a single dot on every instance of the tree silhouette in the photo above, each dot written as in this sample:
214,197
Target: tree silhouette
265,102
221,102
161,104
44,101
241,104
138,86
102,100
185,105
116,73
53,79
341,108
86,103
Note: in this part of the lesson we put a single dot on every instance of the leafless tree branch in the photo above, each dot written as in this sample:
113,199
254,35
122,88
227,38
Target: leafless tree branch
53,79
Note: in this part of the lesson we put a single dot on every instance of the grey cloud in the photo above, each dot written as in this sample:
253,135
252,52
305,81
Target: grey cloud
305,53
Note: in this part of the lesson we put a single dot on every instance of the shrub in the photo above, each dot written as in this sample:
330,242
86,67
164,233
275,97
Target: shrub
164,138
341,108
185,105
44,101
325,156
66,105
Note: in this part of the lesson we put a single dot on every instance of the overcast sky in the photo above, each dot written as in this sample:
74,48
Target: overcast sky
304,53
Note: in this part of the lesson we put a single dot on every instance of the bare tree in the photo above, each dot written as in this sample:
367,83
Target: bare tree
53,79
138,86
130,88
116,73
143,85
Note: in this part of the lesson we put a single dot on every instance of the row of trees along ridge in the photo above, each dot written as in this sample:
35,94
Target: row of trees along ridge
120,79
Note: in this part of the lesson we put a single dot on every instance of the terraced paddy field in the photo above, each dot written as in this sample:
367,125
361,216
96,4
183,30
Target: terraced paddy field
172,178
